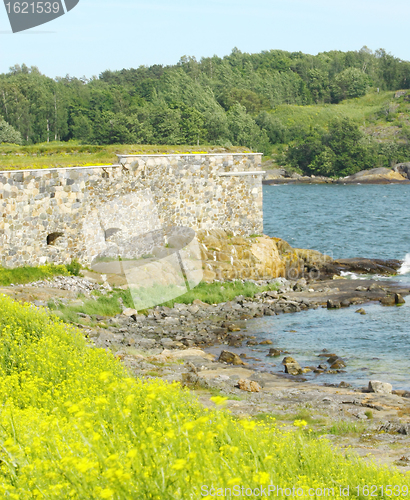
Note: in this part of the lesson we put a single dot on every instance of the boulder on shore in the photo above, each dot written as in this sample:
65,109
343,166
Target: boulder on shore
292,367
368,266
248,385
230,358
380,387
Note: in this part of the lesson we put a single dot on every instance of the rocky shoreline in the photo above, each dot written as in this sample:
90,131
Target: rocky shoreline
400,174
171,344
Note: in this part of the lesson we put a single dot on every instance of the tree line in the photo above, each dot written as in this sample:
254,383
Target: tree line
221,101
341,150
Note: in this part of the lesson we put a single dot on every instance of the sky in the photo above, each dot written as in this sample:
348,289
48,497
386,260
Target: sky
106,34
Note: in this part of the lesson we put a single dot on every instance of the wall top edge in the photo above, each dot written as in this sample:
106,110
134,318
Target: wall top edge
57,168
190,154
126,156
245,172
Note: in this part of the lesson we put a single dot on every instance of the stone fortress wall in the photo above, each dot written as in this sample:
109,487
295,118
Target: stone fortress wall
56,215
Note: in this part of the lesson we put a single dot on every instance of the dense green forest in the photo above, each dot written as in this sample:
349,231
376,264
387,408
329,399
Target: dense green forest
241,99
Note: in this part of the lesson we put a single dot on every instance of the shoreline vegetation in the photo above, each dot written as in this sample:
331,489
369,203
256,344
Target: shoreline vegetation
111,436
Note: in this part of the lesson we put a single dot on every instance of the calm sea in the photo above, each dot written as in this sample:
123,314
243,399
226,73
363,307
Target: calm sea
342,221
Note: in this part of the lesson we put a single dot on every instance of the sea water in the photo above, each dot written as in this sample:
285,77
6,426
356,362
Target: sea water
341,221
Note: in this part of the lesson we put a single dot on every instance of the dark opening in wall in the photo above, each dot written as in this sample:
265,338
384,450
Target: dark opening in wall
52,238
110,232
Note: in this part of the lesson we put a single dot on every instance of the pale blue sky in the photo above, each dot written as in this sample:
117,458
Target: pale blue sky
104,34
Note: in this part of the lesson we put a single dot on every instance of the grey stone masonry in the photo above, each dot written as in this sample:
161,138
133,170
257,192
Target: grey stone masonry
59,214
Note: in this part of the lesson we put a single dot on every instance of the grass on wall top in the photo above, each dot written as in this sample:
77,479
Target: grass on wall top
73,154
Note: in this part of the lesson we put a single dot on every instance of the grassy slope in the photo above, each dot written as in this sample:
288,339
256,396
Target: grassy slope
74,425
62,154
361,109
380,115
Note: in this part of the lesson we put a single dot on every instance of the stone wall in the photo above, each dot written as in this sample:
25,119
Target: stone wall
55,215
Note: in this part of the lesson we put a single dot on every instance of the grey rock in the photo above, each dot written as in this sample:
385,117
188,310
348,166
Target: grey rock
230,358
403,169
380,387
259,378
274,352
388,301
293,368
146,343
167,342
338,364
333,304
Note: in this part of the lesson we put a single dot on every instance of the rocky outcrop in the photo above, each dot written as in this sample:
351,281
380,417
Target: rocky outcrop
374,176
228,257
368,266
260,257
403,169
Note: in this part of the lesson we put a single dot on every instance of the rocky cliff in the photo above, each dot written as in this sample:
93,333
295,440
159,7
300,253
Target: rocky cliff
228,257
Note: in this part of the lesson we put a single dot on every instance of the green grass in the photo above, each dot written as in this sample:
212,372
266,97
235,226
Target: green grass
104,305
109,305
215,293
27,274
215,392
360,109
344,427
73,154
302,414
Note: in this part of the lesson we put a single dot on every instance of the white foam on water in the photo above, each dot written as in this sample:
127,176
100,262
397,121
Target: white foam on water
350,275
405,267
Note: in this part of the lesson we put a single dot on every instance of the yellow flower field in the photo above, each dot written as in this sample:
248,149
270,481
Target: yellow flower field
74,425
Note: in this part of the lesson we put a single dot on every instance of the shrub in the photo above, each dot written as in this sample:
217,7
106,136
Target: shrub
9,134
74,268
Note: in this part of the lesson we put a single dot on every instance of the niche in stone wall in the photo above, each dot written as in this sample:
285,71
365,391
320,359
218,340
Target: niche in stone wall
53,237
110,232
